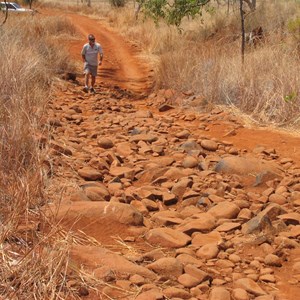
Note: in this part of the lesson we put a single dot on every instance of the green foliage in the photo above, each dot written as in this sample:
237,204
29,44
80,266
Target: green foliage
294,27
173,11
290,97
117,3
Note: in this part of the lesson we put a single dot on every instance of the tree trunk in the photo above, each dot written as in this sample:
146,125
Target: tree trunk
6,14
243,30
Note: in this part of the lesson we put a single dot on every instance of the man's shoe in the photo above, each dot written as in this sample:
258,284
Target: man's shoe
92,90
86,89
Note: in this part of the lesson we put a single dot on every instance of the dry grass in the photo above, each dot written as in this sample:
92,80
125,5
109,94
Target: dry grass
205,58
33,263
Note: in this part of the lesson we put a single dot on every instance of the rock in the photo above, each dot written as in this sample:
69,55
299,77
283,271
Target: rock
196,272
276,198
105,143
138,205
263,219
208,251
190,162
146,137
228,226
167,266
234,258
83,291
150,204
190,145
272,260
166,218
250,286
144,114
204,222
117,212
122,172
60,149
201,239
97,193
188,281
89,173
179,187
294,232
154,255
165,107
224,210
267,278
137,279
247,165
240,294
219,293
153,294
296,268
290,218
183,134
167,237
79,196
124,149
169,198
224,264
209,145
92,256
187,259
266,297
174,292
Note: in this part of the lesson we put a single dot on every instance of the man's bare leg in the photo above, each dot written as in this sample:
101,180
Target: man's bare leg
93,81
92,84
87,78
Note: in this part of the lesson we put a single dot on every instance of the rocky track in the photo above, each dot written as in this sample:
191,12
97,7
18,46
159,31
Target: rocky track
178,214
176,211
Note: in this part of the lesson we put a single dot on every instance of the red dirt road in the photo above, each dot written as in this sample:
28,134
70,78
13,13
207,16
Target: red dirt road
123,68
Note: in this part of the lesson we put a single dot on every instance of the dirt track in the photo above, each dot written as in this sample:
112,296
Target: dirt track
115,147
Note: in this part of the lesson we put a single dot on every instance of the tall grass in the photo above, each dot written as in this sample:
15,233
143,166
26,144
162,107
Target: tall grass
205,57
33,263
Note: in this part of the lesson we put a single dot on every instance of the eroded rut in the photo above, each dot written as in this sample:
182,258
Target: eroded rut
178,210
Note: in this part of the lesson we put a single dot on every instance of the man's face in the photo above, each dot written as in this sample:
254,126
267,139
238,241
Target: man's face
91,42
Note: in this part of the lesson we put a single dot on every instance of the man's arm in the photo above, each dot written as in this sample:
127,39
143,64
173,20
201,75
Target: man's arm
101,58
83,54
101,54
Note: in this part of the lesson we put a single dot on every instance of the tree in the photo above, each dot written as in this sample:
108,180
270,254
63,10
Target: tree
242,13
29,2
6,14
172,11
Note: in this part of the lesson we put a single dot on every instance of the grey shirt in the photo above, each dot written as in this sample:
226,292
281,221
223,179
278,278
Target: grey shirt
91,53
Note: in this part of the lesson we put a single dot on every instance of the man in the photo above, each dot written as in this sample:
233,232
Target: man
90,58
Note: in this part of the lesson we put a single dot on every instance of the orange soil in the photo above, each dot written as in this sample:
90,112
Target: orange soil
123,68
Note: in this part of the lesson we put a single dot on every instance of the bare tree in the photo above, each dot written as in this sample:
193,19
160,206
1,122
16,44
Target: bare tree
30,3
6,13
243,30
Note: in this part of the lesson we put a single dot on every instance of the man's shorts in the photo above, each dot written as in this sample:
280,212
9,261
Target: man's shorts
90,69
